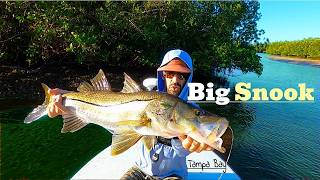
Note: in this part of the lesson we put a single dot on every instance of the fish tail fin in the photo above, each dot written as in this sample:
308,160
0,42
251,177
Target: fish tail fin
47,95
41,110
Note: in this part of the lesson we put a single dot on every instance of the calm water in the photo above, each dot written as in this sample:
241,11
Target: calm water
283,139
279,141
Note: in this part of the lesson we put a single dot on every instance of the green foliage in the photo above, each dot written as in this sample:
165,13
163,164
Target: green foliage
218,35
306,48
261,47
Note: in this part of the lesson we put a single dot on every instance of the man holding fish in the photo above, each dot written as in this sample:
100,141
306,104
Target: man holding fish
166,158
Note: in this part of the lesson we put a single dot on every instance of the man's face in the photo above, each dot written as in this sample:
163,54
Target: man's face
174,82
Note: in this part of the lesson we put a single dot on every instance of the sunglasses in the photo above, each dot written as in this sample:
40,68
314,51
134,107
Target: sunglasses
170,75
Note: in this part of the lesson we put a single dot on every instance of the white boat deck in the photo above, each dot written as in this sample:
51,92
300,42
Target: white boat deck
204,165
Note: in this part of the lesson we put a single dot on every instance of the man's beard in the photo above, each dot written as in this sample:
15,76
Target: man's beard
174,90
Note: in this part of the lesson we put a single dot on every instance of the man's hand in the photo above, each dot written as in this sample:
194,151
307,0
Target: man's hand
55,107
192,145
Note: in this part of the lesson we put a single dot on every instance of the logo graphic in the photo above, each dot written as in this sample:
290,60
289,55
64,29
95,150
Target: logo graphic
243,92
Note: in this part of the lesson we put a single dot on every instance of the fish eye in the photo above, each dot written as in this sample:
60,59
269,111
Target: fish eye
197,113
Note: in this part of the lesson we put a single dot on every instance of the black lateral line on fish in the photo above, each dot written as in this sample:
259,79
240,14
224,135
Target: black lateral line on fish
106,105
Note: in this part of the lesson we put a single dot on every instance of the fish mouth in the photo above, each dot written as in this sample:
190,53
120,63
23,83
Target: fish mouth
214,138
219,130
223,127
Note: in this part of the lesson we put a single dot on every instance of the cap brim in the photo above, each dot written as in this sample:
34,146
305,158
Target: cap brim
175,68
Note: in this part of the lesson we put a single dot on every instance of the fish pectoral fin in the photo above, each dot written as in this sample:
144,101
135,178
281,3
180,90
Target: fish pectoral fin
72,123
122,142
149,141
130,86
99,83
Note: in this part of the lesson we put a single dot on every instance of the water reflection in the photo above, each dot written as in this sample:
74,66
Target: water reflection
238,114
15,116
32,151
282,140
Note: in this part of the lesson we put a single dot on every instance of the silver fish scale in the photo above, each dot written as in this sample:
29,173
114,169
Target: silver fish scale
106,98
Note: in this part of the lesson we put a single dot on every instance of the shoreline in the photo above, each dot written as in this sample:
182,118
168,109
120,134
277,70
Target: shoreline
296,60
22,85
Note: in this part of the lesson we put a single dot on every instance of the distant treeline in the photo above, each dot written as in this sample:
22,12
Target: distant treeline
306,48
261,46
218,35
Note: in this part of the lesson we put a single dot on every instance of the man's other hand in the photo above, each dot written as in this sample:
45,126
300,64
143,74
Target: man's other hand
192,145
55,107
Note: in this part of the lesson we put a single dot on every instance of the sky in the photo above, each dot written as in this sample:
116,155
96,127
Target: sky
289,20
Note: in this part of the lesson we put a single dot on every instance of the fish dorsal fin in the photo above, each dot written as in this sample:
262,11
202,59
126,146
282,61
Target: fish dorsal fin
130,85
72,123
99,83
85,86
123,141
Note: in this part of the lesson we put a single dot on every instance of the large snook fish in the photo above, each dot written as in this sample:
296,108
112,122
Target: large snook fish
133,114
